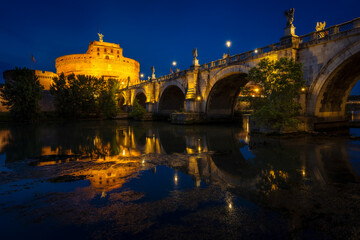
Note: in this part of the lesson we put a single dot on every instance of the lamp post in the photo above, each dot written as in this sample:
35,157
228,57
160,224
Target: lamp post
141,76
228,44
174,64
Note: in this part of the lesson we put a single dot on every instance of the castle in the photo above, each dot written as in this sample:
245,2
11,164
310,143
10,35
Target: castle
102,59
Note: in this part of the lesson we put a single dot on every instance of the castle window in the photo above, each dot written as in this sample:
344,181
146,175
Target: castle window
107,57
118,56
111,51
104,49
98,54
118,52
98,49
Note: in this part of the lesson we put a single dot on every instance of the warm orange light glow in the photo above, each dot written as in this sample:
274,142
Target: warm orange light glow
303,89
141,75
174,63
228,44
256,51
256,90
102,59
198,98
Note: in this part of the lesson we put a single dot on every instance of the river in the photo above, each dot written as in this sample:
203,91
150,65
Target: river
132,180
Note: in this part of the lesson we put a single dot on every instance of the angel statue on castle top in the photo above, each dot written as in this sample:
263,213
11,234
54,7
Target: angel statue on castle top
100,37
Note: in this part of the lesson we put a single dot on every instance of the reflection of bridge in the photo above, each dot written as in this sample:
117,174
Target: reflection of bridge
330,60
206,153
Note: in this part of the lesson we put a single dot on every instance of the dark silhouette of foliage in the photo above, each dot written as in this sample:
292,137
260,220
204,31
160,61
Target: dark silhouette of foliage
108,105
137,110
22,93
84,96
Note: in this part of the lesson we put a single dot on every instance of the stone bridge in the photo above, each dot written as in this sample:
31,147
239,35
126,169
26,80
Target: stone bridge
330,59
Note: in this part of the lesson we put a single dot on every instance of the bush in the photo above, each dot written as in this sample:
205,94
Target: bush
137,110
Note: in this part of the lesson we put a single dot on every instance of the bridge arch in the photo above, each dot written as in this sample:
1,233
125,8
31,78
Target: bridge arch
223,90
140,96
329,91
171,98
121,101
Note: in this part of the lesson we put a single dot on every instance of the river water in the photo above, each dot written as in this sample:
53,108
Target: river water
121,180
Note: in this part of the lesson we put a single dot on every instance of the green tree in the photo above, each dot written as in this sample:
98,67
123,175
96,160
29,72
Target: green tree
22,93
77,96
107,100
137,110
280,85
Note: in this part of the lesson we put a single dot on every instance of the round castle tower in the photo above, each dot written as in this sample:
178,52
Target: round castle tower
102,59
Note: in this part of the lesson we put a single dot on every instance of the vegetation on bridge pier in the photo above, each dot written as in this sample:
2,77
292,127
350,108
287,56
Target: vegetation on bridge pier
280,85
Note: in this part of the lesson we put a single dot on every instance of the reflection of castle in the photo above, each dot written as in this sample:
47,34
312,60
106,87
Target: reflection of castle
212,156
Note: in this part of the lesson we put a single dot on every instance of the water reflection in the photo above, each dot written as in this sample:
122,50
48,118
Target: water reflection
226,154
355,116
120,161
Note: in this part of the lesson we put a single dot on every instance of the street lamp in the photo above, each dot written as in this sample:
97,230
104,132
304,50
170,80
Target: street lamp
174,64
228,44
141,76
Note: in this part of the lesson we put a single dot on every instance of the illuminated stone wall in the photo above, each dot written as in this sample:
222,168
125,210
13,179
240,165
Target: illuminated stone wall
102,59
45,78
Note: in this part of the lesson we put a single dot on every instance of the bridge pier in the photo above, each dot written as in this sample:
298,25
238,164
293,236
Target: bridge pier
192,106
150,107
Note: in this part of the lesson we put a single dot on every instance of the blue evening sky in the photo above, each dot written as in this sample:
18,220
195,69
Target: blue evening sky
154,32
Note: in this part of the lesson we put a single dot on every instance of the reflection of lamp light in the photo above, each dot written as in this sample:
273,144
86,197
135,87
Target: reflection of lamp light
256,90
230,206
175,178
303,89
303,172
123,152
198,98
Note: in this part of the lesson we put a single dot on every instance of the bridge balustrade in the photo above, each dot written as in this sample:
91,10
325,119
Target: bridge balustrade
344,27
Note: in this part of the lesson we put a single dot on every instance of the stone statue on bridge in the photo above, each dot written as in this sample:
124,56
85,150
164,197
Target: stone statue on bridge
320,26
290,17
195,60
152,72
194,53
